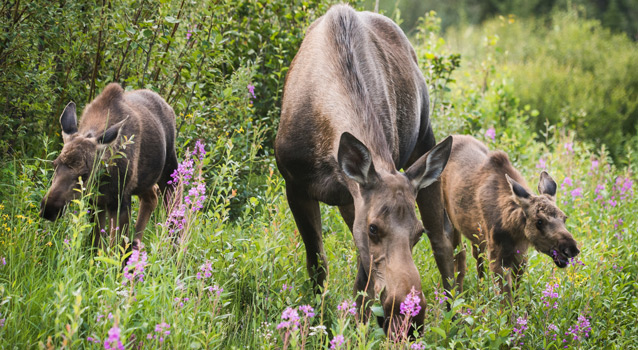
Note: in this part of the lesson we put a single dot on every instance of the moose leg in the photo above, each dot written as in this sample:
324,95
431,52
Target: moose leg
99,234
308,219
148,203
478,251
459,260
433,216
362,282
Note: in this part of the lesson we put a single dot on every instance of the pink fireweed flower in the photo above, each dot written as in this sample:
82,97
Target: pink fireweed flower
161,331
440,297
410,306
417,346
582,328
206,269
541,164
594,164
577,192
291,319
490,133
216,290
307,310
521,327
348,307
251,89
337,342
113,341
569,147
549,294
4,261
135,267
566,182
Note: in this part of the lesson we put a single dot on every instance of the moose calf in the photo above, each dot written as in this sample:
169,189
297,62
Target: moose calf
488,201
140,116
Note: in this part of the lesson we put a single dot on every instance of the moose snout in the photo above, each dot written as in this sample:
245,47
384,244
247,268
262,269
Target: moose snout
50,209
569,248
404,308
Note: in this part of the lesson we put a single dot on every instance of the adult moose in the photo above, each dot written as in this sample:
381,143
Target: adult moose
140,116
355,110
488,201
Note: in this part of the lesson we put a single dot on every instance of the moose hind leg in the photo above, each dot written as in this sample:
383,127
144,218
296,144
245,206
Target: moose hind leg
308,219
148,203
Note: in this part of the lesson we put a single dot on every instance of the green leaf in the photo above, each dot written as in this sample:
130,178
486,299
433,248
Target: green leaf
107,260
438,331
171,19
377,310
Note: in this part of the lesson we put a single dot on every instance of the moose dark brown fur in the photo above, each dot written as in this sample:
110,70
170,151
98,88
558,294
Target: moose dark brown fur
354,112
488,201
143,118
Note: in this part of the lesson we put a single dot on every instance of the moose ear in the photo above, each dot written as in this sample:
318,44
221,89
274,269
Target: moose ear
69,121
520,195
547,185
111,133
429,167
355,161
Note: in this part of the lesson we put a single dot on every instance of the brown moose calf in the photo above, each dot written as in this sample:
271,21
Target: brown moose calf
140,116
488,201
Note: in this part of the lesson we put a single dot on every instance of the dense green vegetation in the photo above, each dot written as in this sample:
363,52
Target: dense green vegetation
558,94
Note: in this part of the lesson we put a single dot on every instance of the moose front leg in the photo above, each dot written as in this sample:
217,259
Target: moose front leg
308,219
99,233
433,215
148,203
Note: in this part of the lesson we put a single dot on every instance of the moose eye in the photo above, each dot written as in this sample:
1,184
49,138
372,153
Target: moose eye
539,224
373,230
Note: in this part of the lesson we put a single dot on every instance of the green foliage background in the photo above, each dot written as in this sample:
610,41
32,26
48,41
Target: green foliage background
558,88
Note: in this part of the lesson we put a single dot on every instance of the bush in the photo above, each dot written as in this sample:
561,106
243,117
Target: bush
577,74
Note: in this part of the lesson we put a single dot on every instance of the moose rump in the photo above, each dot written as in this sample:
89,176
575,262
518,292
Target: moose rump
354,111
139,125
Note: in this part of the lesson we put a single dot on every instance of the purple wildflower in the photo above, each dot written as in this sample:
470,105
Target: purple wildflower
348,308
337,342
136,262
92,340
291,319
541,164
594,164
2,320
577,192
549,294
440,297
418,346
251,89
185,181
4,261
580,329
569,147
410,306
161,331
566,182
206,269
113,341
490,133
216,290
307,310
521,326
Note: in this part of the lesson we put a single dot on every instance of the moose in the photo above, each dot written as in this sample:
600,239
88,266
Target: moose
487,200
141,117
355,111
